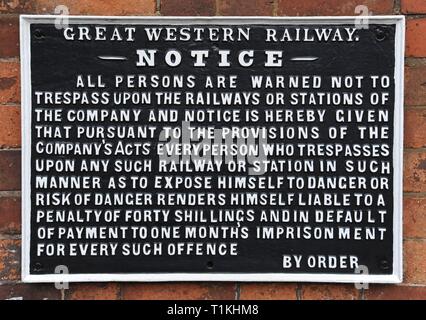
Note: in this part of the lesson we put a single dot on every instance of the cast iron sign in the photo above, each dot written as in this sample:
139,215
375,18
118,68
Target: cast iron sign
231,149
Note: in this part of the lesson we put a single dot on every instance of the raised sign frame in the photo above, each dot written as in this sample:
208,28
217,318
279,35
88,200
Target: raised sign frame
396,277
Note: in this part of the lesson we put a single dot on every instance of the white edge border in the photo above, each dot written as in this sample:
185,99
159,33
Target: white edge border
396,277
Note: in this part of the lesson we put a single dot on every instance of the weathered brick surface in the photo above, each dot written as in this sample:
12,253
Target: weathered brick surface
415,119
10,126
268,291
415,38
15,6
10,253
9,36
245,8
415,217
413,6
414,171
329,292
189,8
10,170
23,291
395,292
415,83
415,261
178,291
331,7
104,7
9,82
10,213
93,291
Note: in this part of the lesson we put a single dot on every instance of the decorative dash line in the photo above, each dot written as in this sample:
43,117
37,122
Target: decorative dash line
304,58
112,58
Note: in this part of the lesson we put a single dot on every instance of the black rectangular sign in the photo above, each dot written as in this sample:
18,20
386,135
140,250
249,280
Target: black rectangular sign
235,149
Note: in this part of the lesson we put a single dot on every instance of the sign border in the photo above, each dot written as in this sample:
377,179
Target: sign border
396,277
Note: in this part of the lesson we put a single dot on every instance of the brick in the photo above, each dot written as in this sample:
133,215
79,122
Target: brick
10,126
104,7
415,127
10,253
331,7
415,261
415,217
9,37
395,292
329,292
178,291
10,170
15,6
414,171
415,84
9,82
245,8
93,291
33,291
413,6
268,291
10,213
188,8
415,44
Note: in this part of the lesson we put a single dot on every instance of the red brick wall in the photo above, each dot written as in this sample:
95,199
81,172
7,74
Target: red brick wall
414,285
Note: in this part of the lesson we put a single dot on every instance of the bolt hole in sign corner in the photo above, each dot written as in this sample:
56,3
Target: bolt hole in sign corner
222,149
